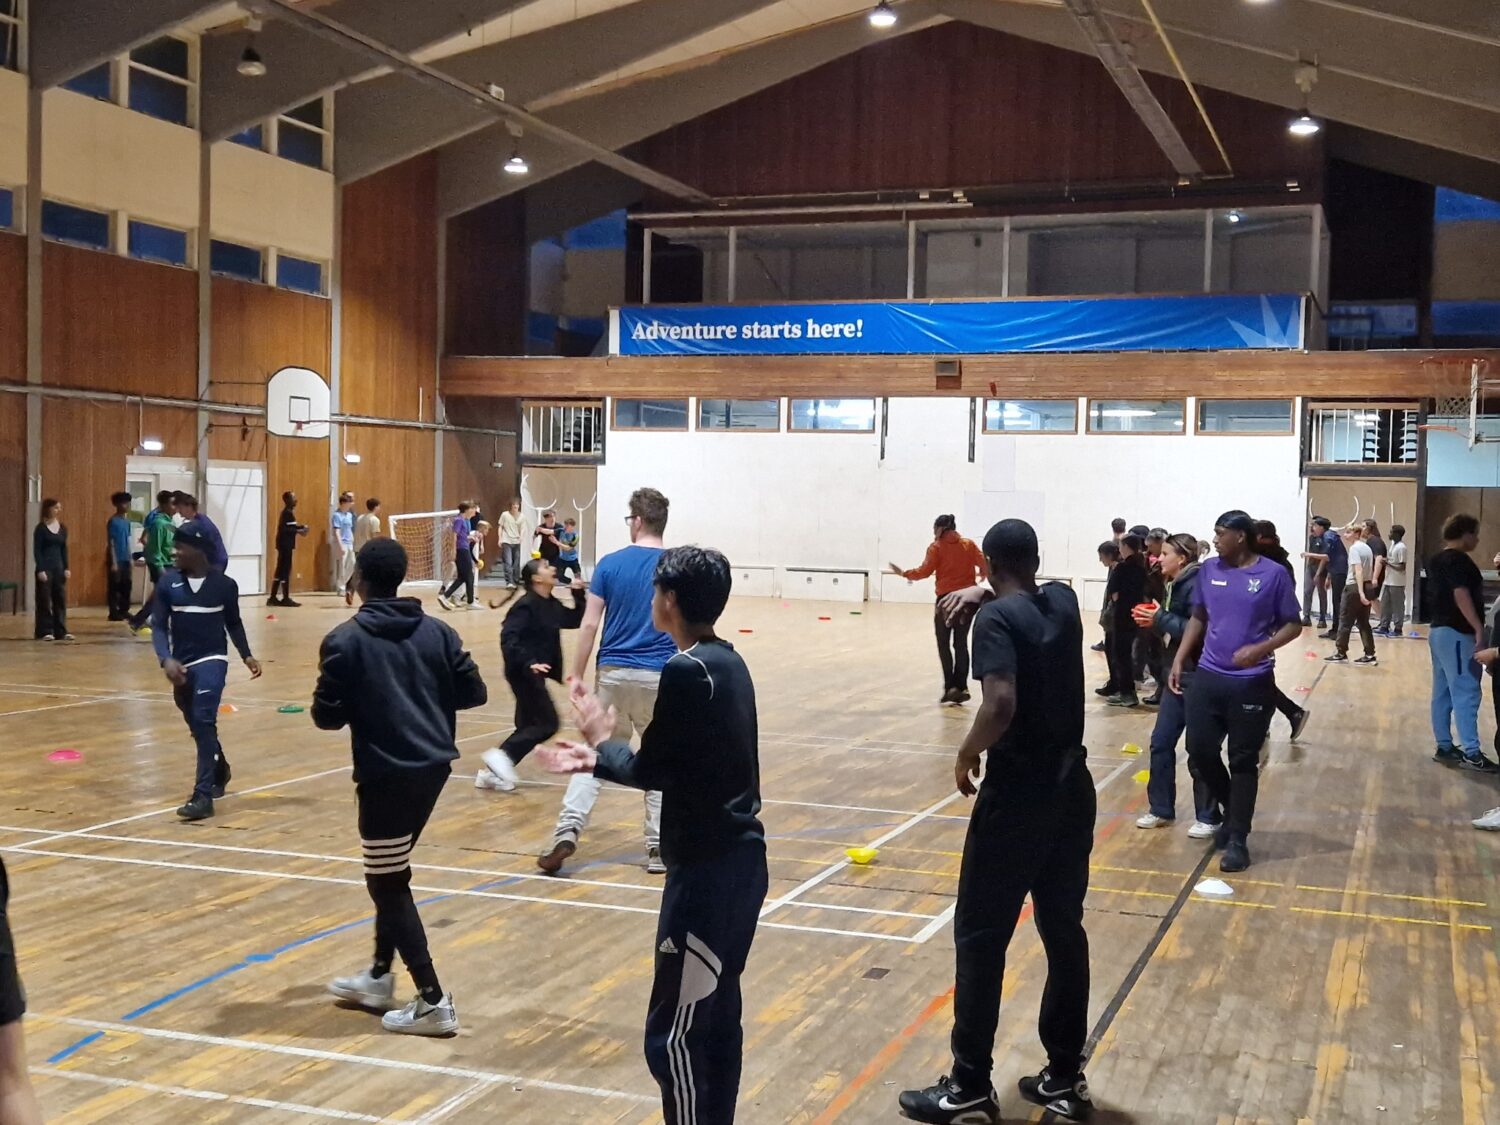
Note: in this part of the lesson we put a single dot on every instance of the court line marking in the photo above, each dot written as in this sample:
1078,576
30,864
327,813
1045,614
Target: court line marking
457,1102
173,808
54,706
1390,918
205,1095
1388,894
491,1077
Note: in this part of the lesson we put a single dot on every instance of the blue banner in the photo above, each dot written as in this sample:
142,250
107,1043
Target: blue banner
1211,322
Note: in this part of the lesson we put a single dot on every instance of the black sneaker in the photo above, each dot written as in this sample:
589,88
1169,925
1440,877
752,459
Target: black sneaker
1478,763
1306,621
197,808
1336,658
1299,723
221,779
289,604
273,601
1322,623
961,695
1123,701
1328,636
948,694
946,1104
1448,756
1107,690
1236,856
1066,1099
1221,836
1097,648
1369,661
1152,700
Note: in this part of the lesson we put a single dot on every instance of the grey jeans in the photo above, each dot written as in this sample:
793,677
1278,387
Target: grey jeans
632,693
1392,608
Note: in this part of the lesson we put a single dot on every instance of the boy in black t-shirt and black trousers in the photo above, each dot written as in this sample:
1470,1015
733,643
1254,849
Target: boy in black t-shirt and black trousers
1031,832
700,751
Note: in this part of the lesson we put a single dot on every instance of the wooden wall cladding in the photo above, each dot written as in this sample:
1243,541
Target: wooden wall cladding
487,262
1392,374
257,330
12,309
117,324
13,486
388,281
961,106
468,473
396,466
85,446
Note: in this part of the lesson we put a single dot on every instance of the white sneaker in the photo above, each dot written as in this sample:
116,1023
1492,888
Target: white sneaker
499,766
444,602
484,779
1151,820
1490,821
654,863
421,1018
375,993
1201,831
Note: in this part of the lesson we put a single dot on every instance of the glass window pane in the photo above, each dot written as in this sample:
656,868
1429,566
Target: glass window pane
1030,416
299,274
10,43
75,224
8,8
157,244
7,208
844,261
158,97
310,114
651,414
253,137
848,414
1135,416
739,414
168,55
94,83
301,145
1245,416
232,260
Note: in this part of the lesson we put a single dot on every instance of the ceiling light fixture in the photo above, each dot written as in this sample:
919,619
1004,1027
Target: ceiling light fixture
516,165
152,445
1305,124
883,16
251,65
1235,216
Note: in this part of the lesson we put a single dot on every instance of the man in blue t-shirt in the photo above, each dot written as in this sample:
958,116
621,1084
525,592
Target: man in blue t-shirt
632,653
120,579
1333,560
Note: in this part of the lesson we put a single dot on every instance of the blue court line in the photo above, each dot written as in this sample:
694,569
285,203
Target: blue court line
251,959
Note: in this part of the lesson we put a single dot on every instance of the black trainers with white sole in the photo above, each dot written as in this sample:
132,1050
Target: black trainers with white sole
946,1104
1299,723
1066,1099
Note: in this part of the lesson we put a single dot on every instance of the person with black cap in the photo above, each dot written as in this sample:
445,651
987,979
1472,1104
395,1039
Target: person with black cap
1245,609
1031,832
197,607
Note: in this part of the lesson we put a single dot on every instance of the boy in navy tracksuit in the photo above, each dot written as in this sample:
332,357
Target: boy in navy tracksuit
195,607
700,752
397,679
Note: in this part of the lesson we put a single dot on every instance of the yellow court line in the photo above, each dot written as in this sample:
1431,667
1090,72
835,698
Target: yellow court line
1178,874
1385,894
1389,918
1123,891
1235,902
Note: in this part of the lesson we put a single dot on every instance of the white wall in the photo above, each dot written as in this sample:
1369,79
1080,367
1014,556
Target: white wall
827,500
12,129
101,155
262,200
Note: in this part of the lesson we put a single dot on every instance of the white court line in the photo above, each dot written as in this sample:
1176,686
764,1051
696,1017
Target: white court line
454,1104
173,808
55,706
833,869
204,1095
925,934
491,1077
861,910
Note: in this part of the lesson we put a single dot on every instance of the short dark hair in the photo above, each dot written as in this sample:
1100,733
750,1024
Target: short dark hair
167,494
1371,525
346,497
381,563
48,505
1140,529
1011,548
1265,529
946,522
699,576
1457,526
371,504
1109,549
184,499
651,507
1322,521
120,498
1158,533
1398,533
288,496
1135,542
570,520
1117,525
467,505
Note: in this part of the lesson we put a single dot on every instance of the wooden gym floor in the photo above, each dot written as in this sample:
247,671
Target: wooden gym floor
176,971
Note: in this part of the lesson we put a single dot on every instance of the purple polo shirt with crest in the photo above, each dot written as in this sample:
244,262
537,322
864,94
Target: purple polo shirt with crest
1245,605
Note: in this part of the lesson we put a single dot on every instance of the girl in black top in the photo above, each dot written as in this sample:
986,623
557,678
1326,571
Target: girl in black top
1268,545
531,642
50,546
1126,590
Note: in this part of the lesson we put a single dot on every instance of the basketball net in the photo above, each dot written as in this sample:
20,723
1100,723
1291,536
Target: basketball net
1458,390
428,540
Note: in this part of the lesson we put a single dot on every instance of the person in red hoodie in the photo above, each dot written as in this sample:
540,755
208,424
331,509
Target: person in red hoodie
958,564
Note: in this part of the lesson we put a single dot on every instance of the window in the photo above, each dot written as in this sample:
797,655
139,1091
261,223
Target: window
845,415
1365,434
302,134
1244,416
11,13
299,274
160,76
1031,416
1135,416
66,223
739,414
229,259
95,83
7,209
152,243
252,137
651,413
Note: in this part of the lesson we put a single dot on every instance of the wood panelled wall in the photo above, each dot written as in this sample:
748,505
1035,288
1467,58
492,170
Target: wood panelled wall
388,281
488,260
12,309
12,482
468,469
962,106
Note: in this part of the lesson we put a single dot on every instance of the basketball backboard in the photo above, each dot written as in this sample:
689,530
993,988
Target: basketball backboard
297,404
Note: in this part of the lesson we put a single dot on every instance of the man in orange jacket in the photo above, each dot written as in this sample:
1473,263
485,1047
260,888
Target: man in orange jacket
959,564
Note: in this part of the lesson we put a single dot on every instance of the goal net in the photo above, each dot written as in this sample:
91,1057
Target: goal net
428,539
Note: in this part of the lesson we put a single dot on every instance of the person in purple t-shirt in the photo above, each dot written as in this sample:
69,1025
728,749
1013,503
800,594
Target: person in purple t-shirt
463,557
1245,608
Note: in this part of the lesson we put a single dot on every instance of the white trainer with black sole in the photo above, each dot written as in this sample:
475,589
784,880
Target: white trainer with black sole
1489,822
1151,820
421,1018
498,762
1201,831
376,993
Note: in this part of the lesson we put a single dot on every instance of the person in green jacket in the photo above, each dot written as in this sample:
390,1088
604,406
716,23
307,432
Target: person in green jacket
158,541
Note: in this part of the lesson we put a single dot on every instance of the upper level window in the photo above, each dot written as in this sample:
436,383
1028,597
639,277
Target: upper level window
1135,416
230,259
739,414
253,136
299,274
12,13
7,209
162,79
65,223
651,413
302,134
1244,416
152,243
846,415
1031,416
94,82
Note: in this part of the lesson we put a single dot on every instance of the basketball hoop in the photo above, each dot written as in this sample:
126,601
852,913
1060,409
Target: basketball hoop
1457,384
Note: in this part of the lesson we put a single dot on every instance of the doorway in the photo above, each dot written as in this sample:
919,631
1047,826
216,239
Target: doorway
236,501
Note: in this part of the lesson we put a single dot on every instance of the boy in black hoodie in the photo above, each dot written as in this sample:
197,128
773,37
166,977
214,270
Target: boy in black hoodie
700,751
397,678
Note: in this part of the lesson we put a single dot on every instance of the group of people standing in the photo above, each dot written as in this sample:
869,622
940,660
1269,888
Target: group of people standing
1357,572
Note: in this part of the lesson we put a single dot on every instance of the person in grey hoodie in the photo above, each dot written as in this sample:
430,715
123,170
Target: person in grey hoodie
397,679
